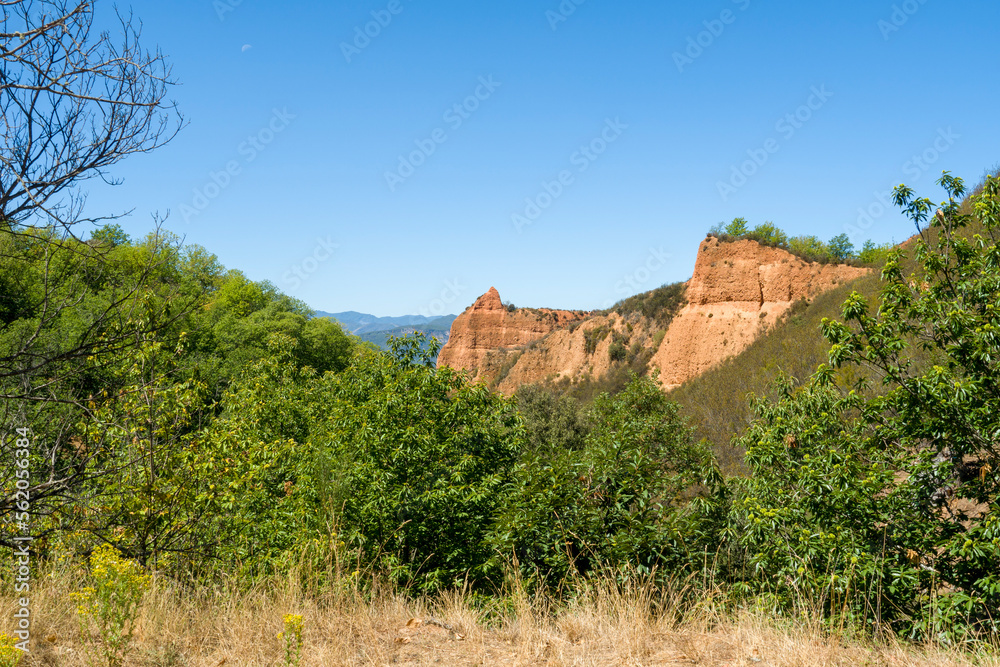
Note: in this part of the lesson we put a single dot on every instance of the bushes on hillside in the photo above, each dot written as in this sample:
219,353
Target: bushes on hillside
553,422
876,503
874,255
883,502
839,249
660,304
637,495
418,475
400,464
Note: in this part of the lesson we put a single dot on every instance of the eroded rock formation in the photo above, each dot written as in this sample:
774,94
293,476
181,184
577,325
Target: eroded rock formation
737,291
487,326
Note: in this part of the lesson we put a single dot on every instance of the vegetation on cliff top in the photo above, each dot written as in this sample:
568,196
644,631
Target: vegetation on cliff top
838,250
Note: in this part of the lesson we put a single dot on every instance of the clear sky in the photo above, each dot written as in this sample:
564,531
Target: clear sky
618,132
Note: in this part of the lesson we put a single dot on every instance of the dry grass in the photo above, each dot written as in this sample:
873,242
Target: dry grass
606,627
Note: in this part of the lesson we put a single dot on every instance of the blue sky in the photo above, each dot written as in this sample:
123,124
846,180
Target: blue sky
590,142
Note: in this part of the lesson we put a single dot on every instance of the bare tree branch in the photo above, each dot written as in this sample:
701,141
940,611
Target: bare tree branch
74,103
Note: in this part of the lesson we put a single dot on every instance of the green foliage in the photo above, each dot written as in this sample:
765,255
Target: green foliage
738,227
814,517
262,490
402,462
137,340
638,494
841,248
881,500
110,235
593,336
232,332
874,255
553,422
429,456
661,304
618,351
147,509
809,246
768,234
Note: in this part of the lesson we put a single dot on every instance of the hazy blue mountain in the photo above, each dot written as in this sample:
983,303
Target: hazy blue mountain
378,329
361,323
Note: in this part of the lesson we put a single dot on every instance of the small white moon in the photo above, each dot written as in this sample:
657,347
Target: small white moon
246,47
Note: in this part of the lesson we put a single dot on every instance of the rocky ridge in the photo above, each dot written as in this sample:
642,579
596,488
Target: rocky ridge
737,291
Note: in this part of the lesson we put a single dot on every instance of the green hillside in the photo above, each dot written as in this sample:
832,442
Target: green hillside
717,403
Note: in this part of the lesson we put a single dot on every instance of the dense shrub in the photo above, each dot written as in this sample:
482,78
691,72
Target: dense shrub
593,336
882,500
810,248
401,462
638,494
660,304
768,234
874,255
553,422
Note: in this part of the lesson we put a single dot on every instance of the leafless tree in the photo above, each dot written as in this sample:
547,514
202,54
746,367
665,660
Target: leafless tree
75,102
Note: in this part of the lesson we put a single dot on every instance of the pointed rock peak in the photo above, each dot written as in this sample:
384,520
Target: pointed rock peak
489,301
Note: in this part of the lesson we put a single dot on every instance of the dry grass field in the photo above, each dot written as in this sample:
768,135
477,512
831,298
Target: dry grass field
610,626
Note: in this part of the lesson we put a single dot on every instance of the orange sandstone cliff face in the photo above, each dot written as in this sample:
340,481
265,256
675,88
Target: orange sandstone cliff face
487,326
737,291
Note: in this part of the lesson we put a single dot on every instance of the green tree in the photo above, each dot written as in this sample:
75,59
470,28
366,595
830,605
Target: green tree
70,311
552,422
768,234
263,492
110,235
143,439
738,227
841,248
639,494
809,247
429,457
874,254
400,461
882,500
231,333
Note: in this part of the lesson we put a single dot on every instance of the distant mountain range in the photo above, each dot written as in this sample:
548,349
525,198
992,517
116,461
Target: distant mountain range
378,329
